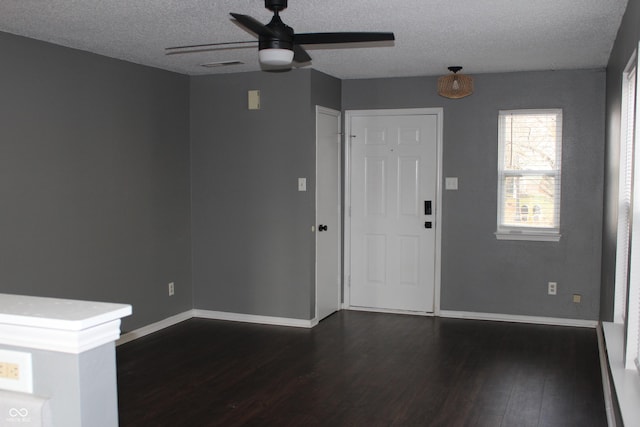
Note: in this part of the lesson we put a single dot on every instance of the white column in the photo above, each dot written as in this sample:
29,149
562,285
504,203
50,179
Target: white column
72,350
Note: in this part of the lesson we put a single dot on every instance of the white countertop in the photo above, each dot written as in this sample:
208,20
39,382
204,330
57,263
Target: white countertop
55,313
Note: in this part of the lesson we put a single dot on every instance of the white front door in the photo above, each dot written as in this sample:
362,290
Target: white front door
394,199
328,228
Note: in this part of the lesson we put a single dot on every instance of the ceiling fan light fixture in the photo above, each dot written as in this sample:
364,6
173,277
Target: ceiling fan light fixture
275,57
455,86
278,46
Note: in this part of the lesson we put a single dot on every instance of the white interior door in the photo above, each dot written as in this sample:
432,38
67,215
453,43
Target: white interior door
328,229
393,198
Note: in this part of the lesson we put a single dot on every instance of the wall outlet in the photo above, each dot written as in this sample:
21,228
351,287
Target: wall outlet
577,298
552,288
172,289
16,372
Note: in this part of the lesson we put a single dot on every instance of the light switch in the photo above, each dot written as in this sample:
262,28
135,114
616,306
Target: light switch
302,184
451,183
254,100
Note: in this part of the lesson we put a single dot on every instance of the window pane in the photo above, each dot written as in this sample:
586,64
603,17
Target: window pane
530,141
529,201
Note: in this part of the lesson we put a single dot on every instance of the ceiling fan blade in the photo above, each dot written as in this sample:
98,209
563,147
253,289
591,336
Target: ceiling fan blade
253,25
300,55
329,38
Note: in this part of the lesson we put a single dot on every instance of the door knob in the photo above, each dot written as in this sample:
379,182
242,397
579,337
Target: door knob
322,228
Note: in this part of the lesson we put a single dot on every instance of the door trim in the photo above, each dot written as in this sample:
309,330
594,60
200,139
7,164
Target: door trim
338,115
349,114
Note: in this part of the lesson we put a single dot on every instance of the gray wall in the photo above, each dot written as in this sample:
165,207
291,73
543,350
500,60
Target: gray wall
626,42
253,249
480,273
325,91
95,168
94,179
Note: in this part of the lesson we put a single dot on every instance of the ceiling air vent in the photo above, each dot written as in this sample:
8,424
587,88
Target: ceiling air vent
221,64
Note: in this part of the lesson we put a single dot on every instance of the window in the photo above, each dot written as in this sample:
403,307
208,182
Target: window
529,150
623,336
627,311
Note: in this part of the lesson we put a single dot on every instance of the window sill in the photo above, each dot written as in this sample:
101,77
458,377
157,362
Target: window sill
625,381
527,235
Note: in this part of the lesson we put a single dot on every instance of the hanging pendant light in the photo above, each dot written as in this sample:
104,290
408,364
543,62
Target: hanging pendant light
455,85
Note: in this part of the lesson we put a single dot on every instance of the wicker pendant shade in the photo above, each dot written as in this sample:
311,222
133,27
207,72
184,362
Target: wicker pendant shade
455,85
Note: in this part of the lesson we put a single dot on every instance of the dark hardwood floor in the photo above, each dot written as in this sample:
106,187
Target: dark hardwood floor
362,369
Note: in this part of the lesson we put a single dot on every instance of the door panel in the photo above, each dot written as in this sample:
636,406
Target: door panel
376,250
408,185
409,260
393,172
375,197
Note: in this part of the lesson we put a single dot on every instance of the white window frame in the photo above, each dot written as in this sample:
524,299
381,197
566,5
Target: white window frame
625,190
508,232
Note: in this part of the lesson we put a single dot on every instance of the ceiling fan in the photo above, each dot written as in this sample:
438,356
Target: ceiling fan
279,45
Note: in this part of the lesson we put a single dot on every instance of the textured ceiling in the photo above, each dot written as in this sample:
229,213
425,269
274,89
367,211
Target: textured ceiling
481,35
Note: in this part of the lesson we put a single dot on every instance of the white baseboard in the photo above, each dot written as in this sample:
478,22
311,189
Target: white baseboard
386,310
217,315
555,321
252,318
154,327
302,323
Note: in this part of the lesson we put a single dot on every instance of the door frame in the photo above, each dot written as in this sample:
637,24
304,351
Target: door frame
338,115
349,114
